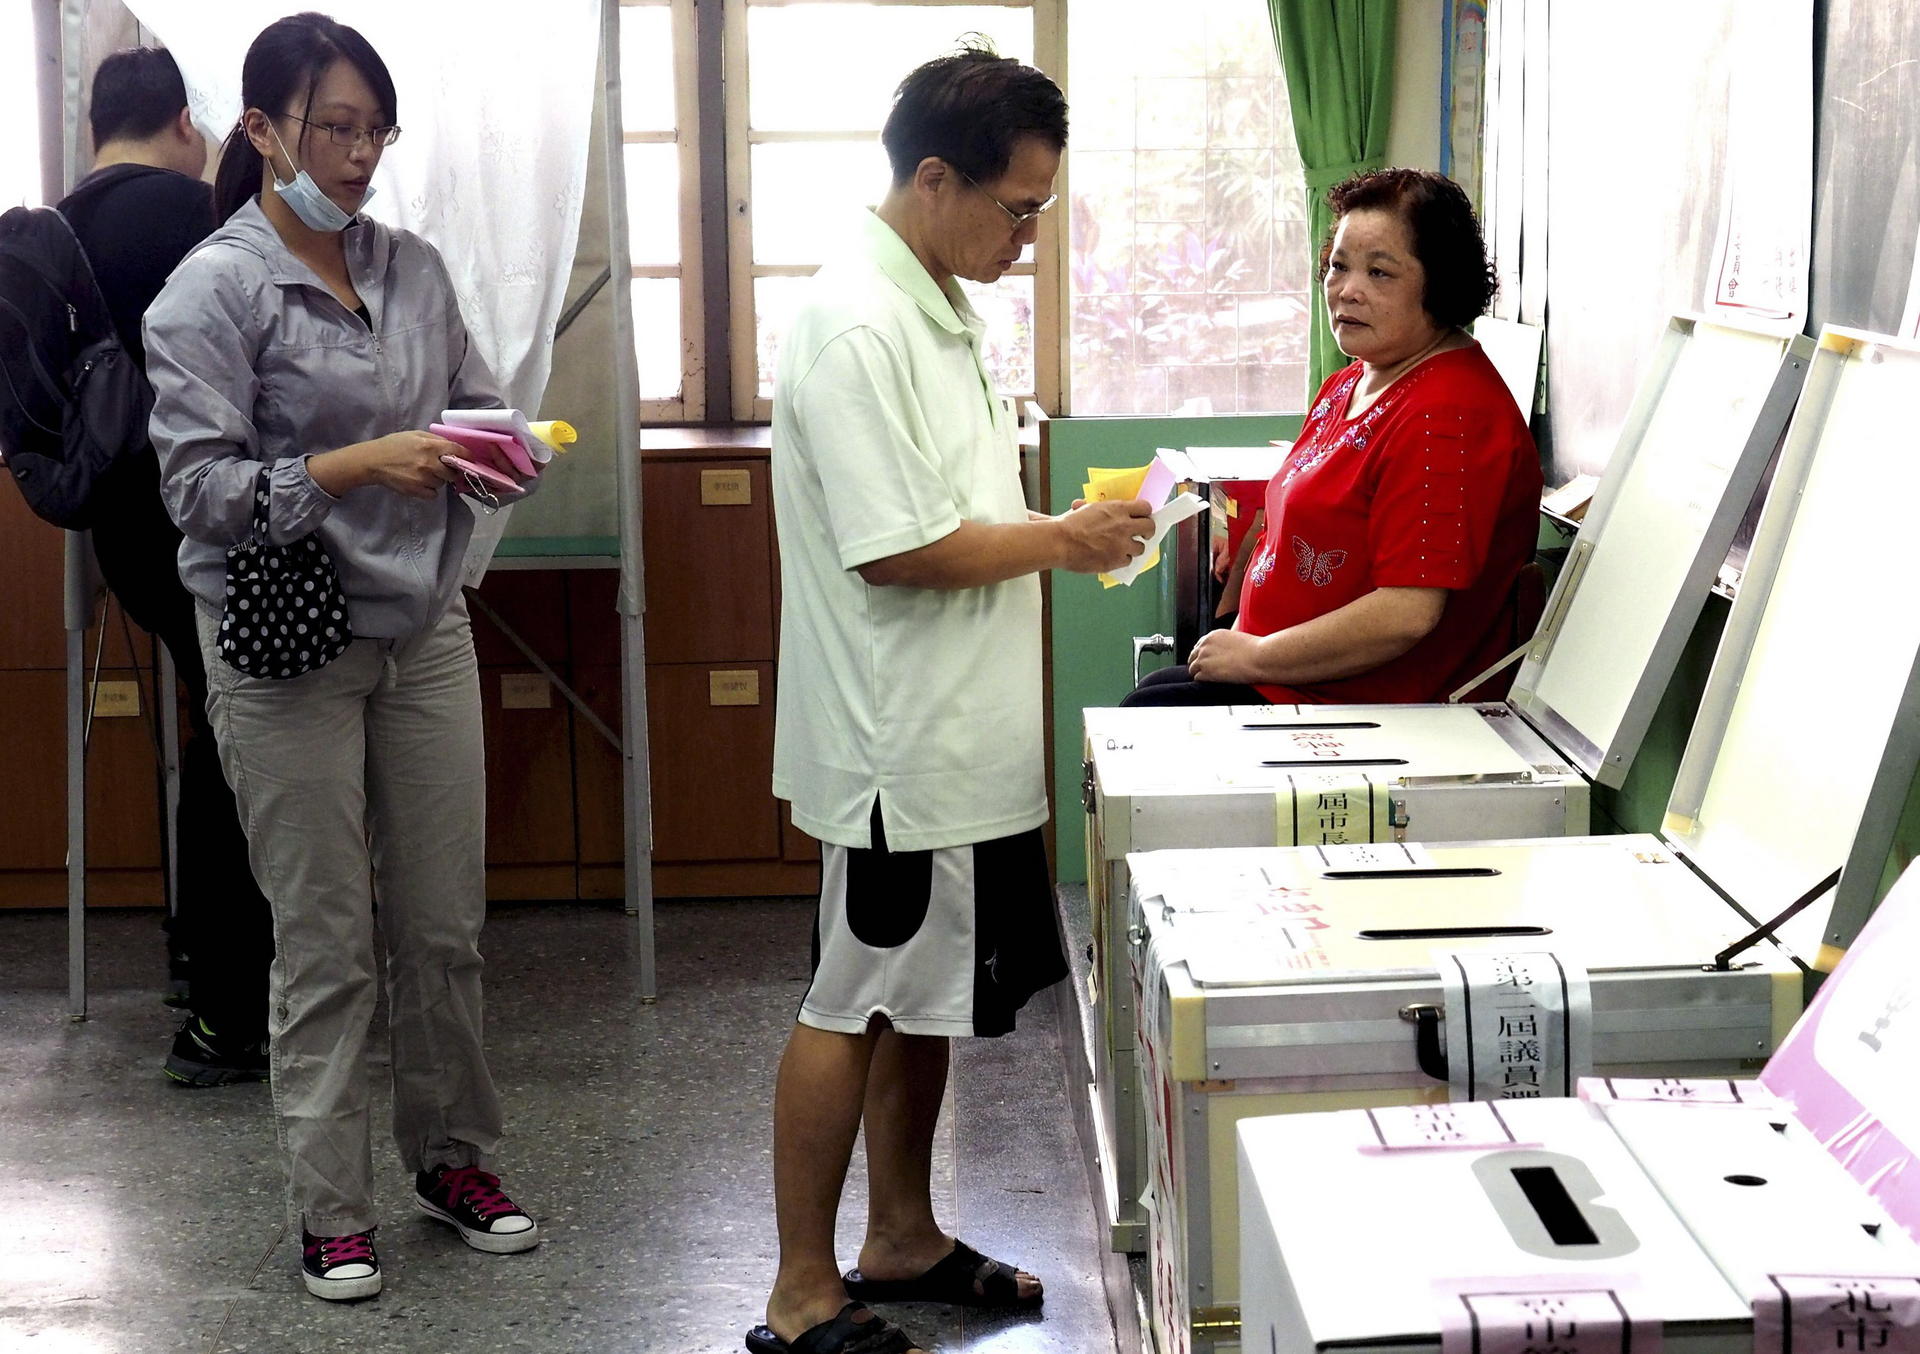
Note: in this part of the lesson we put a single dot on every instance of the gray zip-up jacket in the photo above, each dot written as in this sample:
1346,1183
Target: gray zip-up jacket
252,359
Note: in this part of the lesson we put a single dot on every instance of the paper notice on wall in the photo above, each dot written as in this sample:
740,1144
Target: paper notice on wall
1760,260
1519,1025
1797,1313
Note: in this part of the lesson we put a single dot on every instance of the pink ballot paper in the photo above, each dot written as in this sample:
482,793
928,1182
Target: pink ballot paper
1848,1069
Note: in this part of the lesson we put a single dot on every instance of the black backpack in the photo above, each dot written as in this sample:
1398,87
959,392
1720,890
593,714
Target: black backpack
73,402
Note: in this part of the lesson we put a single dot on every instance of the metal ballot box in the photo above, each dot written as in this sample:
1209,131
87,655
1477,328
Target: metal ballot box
1690,456
1772,796
1274,981
1701,1209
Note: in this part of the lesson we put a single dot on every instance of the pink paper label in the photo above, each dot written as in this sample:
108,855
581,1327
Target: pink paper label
1585,1322
1829,1313
1462,1124
1677,1091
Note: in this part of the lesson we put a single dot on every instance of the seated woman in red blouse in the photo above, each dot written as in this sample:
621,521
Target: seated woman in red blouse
1401,518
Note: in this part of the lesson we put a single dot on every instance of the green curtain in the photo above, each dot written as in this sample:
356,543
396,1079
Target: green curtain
1338,59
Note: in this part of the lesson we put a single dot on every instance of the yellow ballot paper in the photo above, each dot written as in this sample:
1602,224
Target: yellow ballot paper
1113,486
555,432
1154,482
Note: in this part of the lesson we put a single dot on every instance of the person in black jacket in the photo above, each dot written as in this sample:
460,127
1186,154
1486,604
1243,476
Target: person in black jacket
142,210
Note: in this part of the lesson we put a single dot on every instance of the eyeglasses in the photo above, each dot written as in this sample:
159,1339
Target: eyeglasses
346,135
1019,219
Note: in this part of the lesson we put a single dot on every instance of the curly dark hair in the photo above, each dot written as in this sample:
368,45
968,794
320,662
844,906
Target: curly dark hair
1460,282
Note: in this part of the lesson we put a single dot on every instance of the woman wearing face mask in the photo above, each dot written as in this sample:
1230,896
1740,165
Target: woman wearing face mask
316,342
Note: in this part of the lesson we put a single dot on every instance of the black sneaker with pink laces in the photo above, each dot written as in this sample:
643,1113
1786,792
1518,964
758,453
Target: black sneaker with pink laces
339,1268
469,1200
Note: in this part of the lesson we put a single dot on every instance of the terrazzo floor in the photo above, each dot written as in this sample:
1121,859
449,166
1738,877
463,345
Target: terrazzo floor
146,1218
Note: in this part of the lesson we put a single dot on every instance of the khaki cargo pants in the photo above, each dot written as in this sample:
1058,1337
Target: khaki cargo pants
359,782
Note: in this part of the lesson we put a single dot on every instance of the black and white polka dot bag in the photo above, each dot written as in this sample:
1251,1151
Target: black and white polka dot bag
285,613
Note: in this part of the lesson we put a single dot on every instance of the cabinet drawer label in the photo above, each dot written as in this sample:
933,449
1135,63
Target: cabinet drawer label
116,700
723,487
525,691
733,686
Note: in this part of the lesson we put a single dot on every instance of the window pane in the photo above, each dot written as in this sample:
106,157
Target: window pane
867,48
1188,262
653,204
1007,307
646,69
19,109
656,336
808,195
775,302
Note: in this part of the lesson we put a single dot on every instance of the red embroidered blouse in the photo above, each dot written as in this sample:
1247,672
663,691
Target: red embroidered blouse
1436,485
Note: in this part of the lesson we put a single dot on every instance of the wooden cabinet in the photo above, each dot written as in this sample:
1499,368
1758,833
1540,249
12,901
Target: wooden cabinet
555,818
712,631
123,798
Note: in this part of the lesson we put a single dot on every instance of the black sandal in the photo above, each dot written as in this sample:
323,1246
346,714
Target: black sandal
855,1331
964,1278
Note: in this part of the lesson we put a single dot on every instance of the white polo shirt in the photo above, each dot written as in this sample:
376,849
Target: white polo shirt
886,436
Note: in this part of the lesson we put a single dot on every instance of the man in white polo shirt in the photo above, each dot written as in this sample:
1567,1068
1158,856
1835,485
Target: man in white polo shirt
908,735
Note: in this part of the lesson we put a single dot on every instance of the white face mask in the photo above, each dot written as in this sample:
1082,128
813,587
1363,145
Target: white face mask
303,195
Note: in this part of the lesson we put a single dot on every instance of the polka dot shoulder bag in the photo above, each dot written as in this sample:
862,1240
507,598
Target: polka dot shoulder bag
285,614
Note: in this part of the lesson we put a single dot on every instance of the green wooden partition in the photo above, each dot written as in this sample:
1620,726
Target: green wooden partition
1093,627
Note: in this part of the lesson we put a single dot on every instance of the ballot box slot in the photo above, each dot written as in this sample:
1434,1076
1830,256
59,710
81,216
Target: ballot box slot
1417,872
1541,1186
1452,932
1318,724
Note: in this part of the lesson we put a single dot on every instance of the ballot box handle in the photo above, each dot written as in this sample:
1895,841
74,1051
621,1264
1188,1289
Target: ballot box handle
1429,1048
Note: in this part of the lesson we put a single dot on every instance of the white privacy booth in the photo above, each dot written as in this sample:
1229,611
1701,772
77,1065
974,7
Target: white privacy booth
511,120
1690,456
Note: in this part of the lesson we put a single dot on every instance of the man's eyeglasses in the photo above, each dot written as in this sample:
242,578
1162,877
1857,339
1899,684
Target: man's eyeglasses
1019,219
346,135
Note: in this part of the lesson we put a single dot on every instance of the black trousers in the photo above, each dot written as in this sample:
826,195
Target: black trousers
223,924
1177,686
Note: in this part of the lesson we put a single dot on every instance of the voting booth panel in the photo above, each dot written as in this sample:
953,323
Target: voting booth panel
1709,416
1775,1215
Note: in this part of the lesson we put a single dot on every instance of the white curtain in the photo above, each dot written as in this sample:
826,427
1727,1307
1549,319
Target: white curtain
496,102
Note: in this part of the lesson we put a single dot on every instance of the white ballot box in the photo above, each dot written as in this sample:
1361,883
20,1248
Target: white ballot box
1769,1216
1690,456
1361,975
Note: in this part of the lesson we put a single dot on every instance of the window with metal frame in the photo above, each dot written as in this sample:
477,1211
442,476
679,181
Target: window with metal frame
1187,259
1172,279
807,91
659,126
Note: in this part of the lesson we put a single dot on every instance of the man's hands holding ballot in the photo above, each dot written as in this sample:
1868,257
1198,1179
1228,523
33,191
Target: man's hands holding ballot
1097,538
